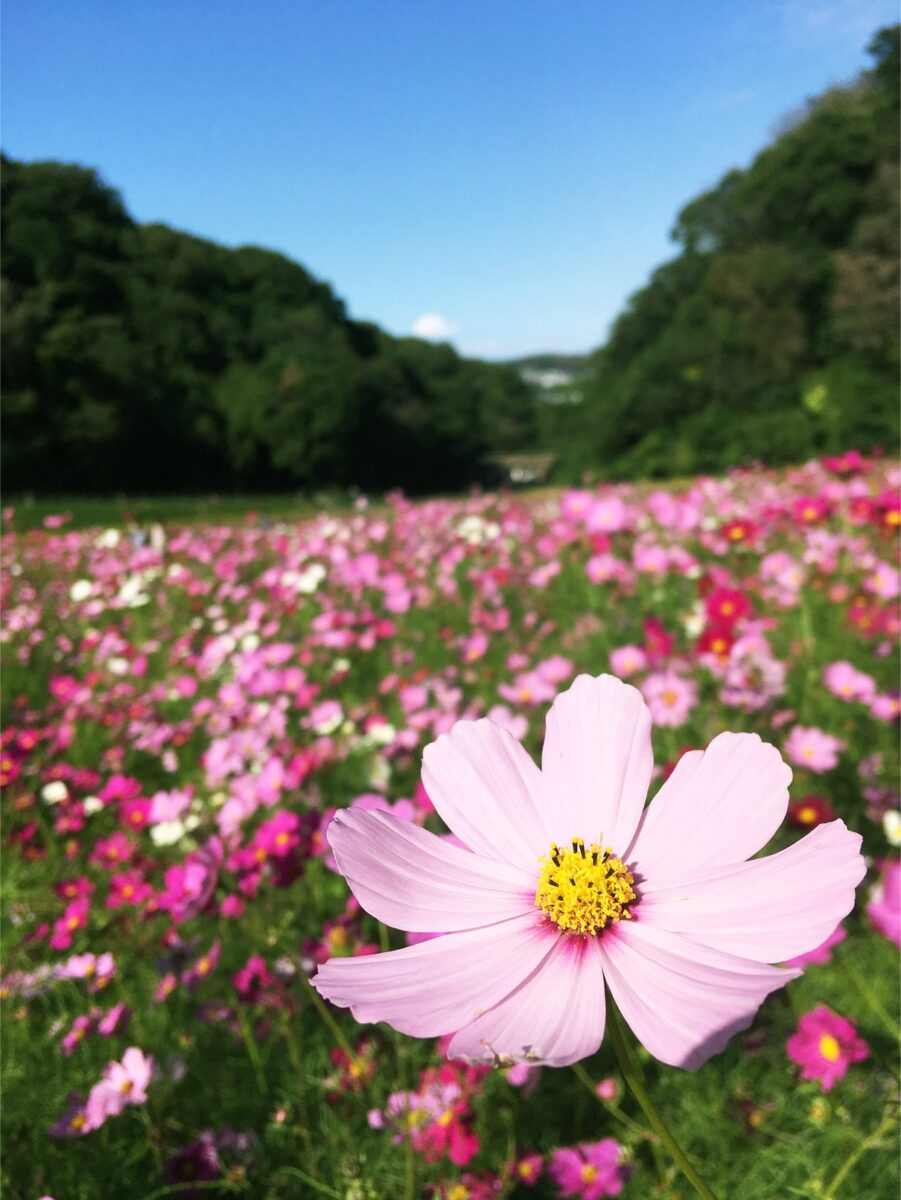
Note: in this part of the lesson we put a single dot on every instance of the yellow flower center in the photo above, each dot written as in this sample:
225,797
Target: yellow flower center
589,1173
581,890
829,1047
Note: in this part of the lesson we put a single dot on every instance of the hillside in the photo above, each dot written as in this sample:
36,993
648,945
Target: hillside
140,359
774,332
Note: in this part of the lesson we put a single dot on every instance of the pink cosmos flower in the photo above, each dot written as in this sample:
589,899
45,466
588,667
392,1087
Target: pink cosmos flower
670,697
824,1045
527,1170
590,1170
660,904
123,1083
845,681
626,660
884,908
812,748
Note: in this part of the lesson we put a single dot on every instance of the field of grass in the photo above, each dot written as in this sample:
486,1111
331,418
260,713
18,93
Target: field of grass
186,708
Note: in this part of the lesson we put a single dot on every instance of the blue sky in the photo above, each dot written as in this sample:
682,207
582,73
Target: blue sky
511,167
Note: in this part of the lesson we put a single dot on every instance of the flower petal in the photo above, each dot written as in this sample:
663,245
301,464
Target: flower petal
719,806
413,880
683,1001
768,909
597,762
484,786
555,1017
437,987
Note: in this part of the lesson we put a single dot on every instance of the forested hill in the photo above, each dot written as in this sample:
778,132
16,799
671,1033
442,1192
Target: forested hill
774,333
139,359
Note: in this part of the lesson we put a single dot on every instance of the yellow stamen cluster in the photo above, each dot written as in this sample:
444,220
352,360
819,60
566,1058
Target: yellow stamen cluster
829,1047
581,889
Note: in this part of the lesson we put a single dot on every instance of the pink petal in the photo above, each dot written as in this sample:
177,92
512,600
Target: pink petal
597,762
719,806
438,986
555,1017
769,909
413,880
683,1001
484,787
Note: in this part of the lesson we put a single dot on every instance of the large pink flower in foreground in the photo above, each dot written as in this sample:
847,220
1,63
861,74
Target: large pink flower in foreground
569,883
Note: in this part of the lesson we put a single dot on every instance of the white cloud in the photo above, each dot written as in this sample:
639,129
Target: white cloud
433,328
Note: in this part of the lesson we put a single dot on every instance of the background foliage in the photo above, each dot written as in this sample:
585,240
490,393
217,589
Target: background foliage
140,359
774,333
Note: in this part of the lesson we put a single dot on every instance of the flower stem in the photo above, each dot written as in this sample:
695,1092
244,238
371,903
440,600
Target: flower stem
868,1144
632,1075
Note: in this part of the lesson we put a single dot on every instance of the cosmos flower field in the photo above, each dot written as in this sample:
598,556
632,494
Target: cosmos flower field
185,709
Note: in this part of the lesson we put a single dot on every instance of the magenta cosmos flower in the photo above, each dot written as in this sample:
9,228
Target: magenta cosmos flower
824,1045
566,882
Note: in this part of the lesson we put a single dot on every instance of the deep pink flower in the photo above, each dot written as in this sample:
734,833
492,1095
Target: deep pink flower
527,1170
590,1170
824,1045
73,919
810,811
659,904
278,836
726,605
74,1121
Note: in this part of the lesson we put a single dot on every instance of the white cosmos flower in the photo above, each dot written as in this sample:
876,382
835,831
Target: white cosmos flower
54,792
891,823
167,833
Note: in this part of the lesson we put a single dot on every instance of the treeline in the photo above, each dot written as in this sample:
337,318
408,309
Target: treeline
140,359
774,333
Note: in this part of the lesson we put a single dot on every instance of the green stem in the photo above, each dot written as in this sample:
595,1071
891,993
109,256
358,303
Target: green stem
629,1067
868,1144
870,996
633,1126
310,1181
579,1071
333,1025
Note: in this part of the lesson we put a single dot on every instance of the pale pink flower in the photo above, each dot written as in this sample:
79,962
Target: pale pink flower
677,922
670,697
811,748
845,681
123,1083
607,514
626,660
884,907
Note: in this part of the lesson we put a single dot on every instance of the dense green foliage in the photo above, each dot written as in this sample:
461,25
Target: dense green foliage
774,333
138,358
